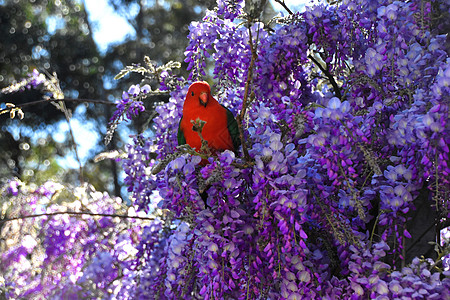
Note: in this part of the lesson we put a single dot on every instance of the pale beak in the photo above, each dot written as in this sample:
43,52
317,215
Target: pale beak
203,98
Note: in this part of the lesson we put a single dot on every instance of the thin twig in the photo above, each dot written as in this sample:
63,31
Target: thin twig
74,144
76,213
281,2
330,76
22,105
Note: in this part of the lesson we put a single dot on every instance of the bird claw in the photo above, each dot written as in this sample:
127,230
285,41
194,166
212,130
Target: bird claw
198,125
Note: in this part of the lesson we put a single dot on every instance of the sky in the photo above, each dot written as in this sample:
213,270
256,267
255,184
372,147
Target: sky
110,28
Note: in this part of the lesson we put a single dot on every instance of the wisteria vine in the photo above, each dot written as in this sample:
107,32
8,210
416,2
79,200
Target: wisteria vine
347,122
344,112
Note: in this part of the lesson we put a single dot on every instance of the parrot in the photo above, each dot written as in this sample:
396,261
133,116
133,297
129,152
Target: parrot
220,130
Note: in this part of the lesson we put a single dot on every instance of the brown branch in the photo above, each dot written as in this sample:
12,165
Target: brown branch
330,77
75,213
281,2
241,116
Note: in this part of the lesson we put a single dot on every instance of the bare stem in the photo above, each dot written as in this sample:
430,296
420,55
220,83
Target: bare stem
64,109
281,2
22,105
241,116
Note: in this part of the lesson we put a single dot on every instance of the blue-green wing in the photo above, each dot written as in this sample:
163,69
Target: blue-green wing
180,135
233,129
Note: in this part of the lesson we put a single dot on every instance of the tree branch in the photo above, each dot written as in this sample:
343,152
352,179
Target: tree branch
75,213
281,2
330,77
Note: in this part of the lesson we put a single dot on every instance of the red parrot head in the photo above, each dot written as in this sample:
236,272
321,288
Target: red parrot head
199,93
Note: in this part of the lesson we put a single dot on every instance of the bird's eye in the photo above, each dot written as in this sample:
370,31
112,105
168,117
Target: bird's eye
192,93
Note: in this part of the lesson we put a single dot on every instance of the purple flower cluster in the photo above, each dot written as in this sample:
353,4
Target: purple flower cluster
347,123
299,221
129,106
371,277
229,9
64,255
35,80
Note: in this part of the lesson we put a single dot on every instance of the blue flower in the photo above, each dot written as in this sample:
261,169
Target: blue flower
146,89
134,90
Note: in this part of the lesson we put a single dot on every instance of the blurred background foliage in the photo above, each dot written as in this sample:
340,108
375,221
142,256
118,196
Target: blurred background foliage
52,37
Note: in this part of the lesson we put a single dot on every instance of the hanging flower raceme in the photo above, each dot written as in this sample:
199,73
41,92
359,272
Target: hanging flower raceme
336,157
